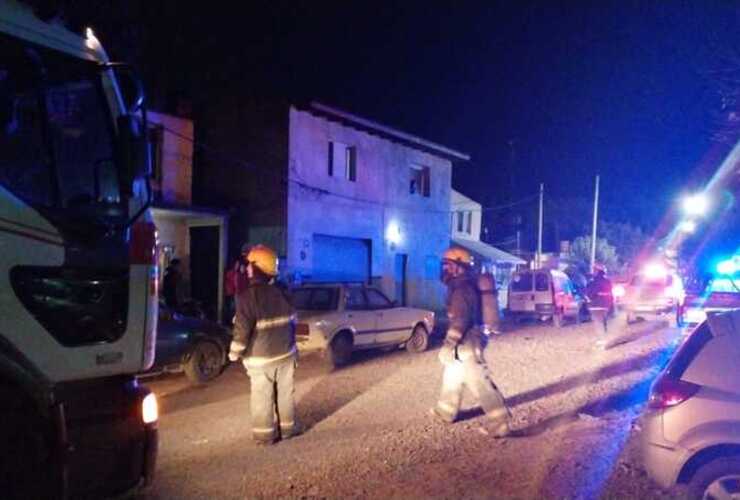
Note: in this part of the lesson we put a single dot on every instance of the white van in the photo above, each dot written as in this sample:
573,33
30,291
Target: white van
545,294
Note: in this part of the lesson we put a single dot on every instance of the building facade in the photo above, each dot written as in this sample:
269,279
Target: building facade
196,236
340,197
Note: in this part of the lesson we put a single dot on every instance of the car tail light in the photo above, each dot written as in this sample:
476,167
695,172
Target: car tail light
149,409
301,330
668,392
618,291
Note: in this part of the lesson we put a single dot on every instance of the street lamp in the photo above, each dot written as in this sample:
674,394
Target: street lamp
696,205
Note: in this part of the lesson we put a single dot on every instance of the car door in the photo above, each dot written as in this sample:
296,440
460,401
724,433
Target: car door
171,339
392,324
358,315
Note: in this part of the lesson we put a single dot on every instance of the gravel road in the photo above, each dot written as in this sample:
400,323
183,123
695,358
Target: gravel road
370,434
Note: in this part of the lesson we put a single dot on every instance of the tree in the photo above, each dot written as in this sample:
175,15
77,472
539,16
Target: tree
605,253
628,240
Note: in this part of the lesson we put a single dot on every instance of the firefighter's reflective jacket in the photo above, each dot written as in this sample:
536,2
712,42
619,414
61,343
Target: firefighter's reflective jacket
463,312
264,330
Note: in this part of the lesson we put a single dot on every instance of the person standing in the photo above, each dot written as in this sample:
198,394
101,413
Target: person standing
264,339
171,285
600,303
462,352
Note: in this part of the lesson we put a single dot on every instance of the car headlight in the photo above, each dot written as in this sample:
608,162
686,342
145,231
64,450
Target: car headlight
149,409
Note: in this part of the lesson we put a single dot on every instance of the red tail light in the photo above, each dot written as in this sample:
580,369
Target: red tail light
667,392
301,330
143,244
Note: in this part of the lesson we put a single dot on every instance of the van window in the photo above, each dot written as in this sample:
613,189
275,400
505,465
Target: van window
522,282
542,283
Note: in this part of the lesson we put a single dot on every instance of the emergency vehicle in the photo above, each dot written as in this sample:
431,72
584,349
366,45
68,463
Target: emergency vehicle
78,275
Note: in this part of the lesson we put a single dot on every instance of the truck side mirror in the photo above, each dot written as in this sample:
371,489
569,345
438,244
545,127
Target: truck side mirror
132,151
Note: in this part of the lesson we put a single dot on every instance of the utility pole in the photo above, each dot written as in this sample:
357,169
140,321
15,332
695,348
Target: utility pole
593,230
538,260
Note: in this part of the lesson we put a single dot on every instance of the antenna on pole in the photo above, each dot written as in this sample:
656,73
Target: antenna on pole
593,230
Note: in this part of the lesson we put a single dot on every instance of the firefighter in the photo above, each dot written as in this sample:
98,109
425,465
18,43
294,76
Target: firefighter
264,338
600,302
462,352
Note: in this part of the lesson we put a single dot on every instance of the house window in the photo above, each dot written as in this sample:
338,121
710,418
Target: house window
156,142
460,220
419,181
469,223
342,161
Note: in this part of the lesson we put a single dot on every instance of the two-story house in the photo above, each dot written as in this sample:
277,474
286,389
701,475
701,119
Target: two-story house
194,235
465,227
340,197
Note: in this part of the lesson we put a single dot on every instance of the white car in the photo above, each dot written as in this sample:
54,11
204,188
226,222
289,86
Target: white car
341,318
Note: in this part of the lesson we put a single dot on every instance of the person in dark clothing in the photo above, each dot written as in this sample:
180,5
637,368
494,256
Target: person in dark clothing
171,284
462,352
600,303
264,338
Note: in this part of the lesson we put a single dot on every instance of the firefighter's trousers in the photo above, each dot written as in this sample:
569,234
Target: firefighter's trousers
272,402
470,370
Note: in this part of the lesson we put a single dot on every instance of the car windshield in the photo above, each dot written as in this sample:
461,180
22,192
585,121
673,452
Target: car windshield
315,299
522,282
56,135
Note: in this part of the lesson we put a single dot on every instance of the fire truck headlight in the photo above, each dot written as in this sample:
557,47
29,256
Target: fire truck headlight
149,409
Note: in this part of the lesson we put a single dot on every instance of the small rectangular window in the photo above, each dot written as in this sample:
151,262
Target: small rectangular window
330,170
460,222
156,143
419,181
350,156
469,223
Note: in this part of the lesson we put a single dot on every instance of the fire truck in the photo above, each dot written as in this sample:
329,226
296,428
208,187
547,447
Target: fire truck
78,274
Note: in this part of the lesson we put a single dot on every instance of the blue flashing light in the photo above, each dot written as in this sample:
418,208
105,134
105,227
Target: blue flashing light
727,267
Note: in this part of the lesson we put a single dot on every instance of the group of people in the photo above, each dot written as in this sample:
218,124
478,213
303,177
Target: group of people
264,341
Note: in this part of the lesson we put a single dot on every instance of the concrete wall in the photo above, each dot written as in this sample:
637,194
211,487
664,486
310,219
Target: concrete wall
379,200
459,203
176,180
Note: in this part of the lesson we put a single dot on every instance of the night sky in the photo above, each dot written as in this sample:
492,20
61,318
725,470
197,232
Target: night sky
534,91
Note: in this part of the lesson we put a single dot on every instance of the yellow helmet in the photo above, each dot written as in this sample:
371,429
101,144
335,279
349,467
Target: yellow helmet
264,259
458,255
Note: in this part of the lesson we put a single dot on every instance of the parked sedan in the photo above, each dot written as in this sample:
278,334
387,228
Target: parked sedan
193,345
691,431
719,295
338,319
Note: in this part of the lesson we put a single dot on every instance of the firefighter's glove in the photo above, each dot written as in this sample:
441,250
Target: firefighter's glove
447,354
233,356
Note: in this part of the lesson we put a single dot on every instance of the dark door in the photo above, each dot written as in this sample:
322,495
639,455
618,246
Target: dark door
204,271
400,273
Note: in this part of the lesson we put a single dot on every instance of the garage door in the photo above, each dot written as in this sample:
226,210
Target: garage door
340,259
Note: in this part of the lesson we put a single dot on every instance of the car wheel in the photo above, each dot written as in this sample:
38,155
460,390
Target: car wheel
419,340
340,350
717,479
205,363
30,451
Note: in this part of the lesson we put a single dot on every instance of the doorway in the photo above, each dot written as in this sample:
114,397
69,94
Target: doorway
204,267
400,277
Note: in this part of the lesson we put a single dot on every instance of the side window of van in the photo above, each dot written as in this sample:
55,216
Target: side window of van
541,283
